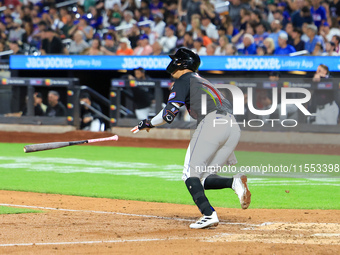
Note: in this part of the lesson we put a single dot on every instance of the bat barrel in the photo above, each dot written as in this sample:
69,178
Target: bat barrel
45,146
56,145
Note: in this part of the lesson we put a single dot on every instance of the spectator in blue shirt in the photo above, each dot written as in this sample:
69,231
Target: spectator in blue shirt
312,31
276,31
282,6
283,48
156,6
302,16
95,18
318,13
261,34
249,45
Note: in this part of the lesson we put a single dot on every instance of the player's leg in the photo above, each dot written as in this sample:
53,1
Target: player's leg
195,161
209,217
238,183
225,155
196,190
227,136
214,181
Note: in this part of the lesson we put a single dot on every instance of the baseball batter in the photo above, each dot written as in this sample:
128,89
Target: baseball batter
212,145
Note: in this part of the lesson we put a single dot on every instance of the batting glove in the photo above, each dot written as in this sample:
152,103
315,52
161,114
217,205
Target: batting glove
144,124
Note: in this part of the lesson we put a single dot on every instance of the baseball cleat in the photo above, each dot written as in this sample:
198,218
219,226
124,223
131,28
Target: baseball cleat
241,189
206,221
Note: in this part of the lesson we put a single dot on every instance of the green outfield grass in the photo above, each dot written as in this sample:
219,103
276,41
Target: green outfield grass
11,210
149,174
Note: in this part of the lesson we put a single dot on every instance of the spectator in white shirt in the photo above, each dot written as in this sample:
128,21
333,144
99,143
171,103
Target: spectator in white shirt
151,34
330,49
128,19
159,25
168,42
78,45
127,22
327,33
210,28
107,4
198,47
222,44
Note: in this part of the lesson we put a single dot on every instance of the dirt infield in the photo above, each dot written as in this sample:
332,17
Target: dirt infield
80,225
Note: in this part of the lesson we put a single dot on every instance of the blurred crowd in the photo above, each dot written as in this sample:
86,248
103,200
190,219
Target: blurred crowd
154,27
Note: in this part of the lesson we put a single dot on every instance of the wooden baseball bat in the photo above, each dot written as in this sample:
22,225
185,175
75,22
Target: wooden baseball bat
56,145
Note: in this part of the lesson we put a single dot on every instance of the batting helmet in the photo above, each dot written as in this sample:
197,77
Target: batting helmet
184,59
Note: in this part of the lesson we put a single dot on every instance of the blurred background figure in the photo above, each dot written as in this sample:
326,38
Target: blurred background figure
110,46
211,48
143,48
274,76
249,45
198,47
39,107
296,41
157,49
270,46
283,48
124,47
142,96
327,110
330,49
159,25
39,102
221,48
17,33
51,43
314,38
78,45
168,42
14,46
95,48
90,120
55,108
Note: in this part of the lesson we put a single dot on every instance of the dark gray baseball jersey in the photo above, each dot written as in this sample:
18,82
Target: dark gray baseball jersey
188,90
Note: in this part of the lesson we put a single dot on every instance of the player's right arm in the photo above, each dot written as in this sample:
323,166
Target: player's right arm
168,113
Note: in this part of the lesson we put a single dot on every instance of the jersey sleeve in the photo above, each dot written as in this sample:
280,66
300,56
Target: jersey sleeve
179,92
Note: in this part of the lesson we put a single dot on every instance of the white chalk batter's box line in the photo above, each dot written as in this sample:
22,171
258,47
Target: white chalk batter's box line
156,216
123,214
90,242
123,241
251,227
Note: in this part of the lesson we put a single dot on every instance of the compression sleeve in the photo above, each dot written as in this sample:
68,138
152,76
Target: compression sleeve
158,119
